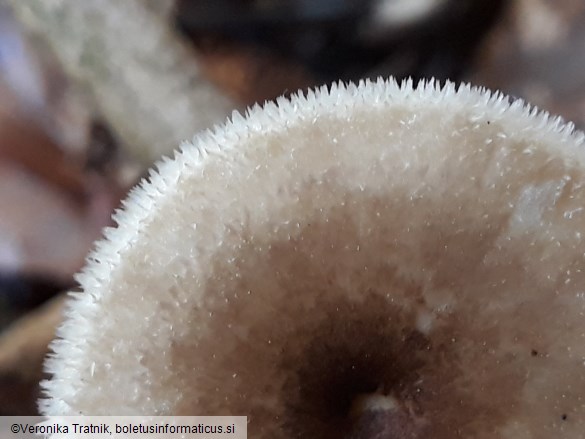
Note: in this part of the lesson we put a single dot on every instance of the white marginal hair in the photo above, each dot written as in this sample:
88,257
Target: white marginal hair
293,237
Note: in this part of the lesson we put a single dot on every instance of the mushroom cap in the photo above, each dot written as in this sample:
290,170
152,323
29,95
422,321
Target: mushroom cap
412,254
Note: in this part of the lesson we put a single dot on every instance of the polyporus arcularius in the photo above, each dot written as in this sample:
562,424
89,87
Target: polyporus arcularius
364,260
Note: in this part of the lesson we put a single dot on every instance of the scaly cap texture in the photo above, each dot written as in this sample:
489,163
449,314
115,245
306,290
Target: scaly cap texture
414,254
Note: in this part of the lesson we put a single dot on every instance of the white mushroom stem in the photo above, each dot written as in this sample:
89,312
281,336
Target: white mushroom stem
421,243
144,79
